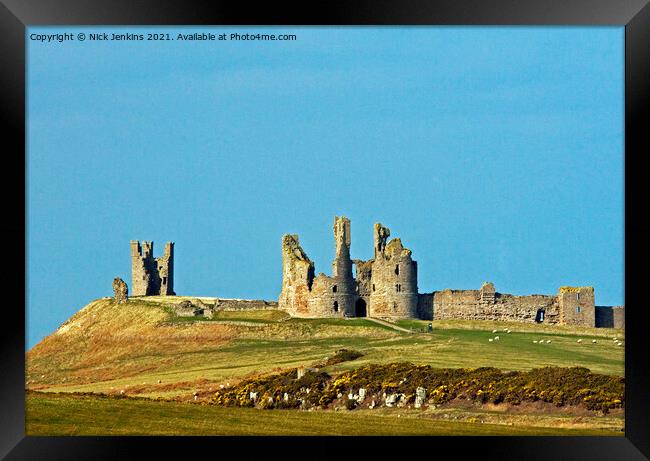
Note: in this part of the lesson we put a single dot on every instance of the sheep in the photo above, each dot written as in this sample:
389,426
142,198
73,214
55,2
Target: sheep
496,338
535,341
593,341
122,392
548,341
580,340
494,331
490,340
508,331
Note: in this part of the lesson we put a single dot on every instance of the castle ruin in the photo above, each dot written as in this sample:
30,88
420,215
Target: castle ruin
151,276
386,287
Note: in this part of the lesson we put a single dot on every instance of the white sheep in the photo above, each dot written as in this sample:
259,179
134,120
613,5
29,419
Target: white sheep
535,341
490,340
494,331
548,341
580,340
496,338
593,341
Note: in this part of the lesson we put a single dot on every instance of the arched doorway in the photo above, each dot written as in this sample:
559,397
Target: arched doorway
360,308
539,318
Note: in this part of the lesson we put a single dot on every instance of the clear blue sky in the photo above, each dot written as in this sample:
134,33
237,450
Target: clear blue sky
494,153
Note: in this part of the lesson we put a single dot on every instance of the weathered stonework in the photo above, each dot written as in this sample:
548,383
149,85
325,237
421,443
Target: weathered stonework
386,287
120,290
297,277
393,281
487,304
306,295
577,306
610,316
151,276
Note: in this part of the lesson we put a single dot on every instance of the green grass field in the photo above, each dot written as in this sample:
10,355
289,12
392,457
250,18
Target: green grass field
85,415
142,349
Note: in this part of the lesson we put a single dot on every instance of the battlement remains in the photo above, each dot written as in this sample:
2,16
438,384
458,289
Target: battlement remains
151,276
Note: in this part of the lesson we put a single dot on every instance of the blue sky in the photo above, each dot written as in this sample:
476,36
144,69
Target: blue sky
494,153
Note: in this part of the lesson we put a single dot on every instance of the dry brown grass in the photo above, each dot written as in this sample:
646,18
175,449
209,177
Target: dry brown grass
106,341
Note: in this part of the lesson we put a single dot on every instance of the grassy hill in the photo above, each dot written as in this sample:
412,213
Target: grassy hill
137,368
143,349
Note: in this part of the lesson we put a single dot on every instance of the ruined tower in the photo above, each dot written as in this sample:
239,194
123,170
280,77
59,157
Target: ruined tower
343,289
393,278
151,276
576,305
297,277
306,295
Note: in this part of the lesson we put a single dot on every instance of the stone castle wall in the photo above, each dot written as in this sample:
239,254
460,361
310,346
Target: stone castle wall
479,305
386,287
245,304
610,316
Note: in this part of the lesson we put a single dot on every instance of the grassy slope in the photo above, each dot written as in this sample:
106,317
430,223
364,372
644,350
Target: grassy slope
108,348
81,415
143,349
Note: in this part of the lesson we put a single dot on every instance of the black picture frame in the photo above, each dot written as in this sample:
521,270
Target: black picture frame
16,15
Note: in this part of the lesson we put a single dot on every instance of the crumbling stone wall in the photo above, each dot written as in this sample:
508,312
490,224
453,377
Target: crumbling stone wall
306,295
297,277
487,304
151,276
120,290
572,306
619,316
244,304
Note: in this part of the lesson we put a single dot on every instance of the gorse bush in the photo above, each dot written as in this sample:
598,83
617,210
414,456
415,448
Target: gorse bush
559,386
342,355
274,386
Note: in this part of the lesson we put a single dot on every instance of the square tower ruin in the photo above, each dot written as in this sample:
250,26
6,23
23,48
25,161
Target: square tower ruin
151,276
